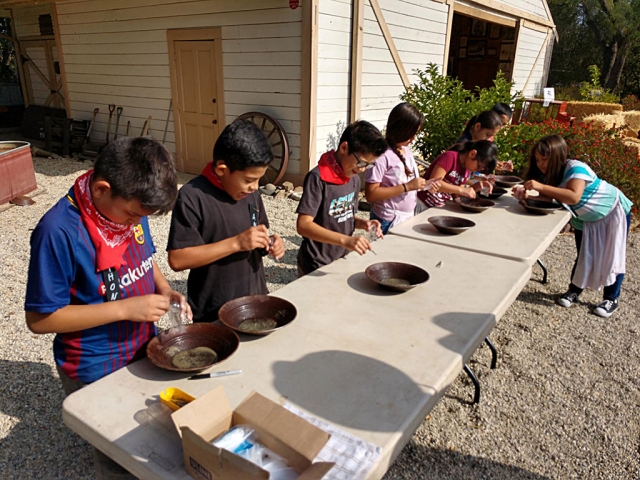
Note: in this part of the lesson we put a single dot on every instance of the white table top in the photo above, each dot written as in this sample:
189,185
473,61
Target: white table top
506,230
370,361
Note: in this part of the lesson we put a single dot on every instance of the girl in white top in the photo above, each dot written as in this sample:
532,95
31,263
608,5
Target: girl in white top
601,212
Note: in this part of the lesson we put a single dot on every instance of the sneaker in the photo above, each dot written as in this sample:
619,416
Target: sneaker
606,308
567,299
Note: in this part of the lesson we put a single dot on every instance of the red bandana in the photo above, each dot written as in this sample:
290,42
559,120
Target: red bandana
109,238
208,172
330,169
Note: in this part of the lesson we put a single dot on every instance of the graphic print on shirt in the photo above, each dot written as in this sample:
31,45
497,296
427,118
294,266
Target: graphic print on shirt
341,208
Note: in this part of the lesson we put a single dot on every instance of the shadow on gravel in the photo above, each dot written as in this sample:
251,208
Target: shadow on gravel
538,298
417,461
39,441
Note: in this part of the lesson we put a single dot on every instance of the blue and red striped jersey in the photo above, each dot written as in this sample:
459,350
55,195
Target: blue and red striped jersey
62,271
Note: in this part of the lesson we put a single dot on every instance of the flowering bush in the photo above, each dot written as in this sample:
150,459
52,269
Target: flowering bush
630,102
603,149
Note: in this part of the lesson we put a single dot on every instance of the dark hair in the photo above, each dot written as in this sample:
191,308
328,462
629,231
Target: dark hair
554,147
503,109
404,122
487,153
363,137
142,169
486,119
242,145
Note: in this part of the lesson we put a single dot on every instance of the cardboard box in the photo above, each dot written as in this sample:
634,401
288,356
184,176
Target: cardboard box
278,429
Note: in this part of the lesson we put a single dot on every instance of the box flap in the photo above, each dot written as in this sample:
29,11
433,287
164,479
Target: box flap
316,471
212,406
282,431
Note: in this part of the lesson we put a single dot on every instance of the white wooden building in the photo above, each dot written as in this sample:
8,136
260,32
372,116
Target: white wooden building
313,68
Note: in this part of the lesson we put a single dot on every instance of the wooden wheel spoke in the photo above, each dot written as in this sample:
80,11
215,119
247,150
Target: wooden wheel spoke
276,144
275,129
272,167
264,121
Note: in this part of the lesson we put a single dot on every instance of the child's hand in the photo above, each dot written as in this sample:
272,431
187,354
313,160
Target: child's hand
482,184
433,184
357,244
374,226
534,185
252,238
519,193
147,308
277,247
505,166
417,183
468,192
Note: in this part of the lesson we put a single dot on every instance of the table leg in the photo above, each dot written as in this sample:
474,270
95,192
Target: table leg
476,383
494,352
545,273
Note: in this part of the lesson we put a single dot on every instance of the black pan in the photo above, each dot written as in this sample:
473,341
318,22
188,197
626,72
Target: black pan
263,314
496,193
180,342
539,207
476,205
451,225
508,180
396,276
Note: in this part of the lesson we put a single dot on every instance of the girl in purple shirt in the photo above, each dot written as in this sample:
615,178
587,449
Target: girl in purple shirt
392,183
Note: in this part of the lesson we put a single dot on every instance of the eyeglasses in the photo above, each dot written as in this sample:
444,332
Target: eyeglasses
362,163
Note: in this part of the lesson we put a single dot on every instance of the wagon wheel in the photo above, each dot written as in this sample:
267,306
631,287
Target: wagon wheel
277,137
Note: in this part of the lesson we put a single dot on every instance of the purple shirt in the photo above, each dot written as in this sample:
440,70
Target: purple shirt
389,171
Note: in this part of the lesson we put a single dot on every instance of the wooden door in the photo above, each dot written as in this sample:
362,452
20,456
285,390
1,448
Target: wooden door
43,82
197,101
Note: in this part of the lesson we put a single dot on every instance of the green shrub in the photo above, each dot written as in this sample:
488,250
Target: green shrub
447,106
603,149
593,92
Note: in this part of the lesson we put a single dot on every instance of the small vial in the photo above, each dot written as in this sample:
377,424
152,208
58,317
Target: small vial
175,314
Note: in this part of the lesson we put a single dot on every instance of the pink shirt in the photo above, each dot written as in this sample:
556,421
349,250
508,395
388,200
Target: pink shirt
389,171
456,175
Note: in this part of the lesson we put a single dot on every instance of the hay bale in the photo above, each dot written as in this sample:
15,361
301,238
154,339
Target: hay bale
633,143
605,121
632,119
584,109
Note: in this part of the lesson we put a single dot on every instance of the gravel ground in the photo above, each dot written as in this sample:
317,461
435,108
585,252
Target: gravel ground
562,403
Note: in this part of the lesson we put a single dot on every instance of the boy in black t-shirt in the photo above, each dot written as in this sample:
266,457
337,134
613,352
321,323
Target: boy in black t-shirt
326,214
219,226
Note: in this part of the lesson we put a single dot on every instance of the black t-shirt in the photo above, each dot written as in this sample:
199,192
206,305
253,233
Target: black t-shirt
332,207
204,214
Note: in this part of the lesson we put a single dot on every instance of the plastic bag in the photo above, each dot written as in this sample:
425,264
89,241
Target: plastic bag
241,440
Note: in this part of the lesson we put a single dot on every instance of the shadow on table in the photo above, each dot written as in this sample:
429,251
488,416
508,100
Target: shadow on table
38,441
426,462
371,394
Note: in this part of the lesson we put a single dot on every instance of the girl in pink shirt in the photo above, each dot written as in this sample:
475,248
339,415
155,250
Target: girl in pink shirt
455,166
392,183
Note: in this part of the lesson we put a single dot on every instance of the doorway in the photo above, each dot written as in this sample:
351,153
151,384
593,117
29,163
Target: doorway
197,91
479,49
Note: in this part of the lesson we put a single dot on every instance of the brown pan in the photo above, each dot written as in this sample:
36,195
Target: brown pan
396,276
191,348
257,314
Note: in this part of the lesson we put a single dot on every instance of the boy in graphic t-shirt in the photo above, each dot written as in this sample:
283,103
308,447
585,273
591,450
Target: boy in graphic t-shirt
219,226
326,214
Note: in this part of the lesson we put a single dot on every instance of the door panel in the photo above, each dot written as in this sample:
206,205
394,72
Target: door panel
197,101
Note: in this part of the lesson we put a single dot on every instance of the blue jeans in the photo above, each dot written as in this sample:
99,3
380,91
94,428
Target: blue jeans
384,224
611,292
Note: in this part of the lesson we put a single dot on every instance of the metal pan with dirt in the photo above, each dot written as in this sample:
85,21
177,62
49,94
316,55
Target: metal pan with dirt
508,181
475,205
396,276
451,225
257,314
540,207
496,193
191,348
